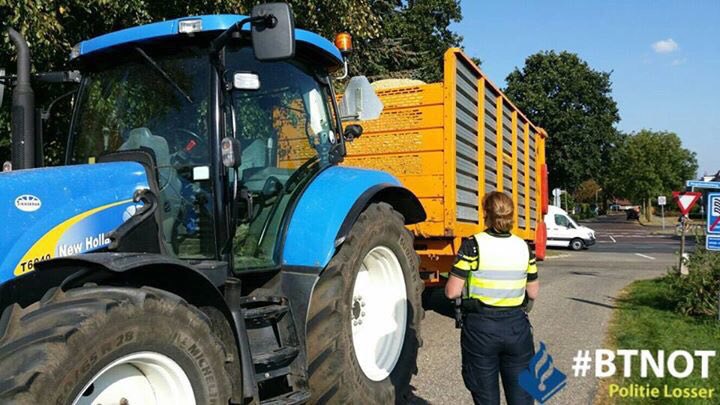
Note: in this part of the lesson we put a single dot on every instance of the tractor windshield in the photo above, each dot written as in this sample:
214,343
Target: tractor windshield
159,103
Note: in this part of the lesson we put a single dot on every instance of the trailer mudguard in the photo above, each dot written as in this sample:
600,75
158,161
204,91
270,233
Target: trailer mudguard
63,211
329,207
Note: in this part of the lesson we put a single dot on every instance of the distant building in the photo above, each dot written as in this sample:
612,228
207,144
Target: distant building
712,177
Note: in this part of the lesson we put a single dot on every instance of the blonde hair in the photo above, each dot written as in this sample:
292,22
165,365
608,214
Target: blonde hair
498,208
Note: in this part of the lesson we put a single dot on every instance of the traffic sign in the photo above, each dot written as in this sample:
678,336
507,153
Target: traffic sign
662,200
713,214
712,242
703,184
686,200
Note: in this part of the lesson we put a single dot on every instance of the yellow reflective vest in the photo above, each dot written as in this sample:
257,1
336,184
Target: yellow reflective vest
498,275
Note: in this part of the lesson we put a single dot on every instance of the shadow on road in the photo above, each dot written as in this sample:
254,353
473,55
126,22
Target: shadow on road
585,273
433,299
599,304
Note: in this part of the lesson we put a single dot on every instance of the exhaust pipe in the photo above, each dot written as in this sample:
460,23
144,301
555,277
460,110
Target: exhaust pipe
23,108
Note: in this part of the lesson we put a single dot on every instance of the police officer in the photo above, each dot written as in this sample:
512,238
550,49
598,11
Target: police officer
494,272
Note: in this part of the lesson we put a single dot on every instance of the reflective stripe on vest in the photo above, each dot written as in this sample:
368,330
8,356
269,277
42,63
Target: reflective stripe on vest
501,276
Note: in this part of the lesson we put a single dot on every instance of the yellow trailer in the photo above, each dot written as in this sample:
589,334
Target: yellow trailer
441,140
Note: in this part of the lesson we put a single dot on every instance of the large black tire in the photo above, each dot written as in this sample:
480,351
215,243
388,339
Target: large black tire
51,349
335,375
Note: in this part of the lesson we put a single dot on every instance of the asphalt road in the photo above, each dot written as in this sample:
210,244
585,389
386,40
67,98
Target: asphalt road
577,297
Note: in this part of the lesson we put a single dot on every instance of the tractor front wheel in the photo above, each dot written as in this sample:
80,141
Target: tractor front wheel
363,329
111,345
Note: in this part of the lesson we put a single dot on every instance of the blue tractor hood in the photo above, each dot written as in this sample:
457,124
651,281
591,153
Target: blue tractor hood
62,211
209,23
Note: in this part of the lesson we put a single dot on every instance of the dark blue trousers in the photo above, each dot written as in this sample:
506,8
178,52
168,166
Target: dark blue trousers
496,342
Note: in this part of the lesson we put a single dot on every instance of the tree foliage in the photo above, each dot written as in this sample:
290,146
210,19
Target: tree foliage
563,94
587,191
651,163
391,37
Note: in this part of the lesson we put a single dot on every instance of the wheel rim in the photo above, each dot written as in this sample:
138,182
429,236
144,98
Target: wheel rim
379,313
139,378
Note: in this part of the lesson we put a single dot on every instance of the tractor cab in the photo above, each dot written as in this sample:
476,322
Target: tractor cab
164,88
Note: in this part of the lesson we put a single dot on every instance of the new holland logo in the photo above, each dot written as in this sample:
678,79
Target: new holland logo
28,203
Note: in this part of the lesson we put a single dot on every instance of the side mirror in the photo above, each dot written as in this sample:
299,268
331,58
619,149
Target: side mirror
274,38
360,103
230,152
352,132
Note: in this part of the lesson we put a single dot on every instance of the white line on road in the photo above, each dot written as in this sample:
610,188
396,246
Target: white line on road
613,239
645,256
560,256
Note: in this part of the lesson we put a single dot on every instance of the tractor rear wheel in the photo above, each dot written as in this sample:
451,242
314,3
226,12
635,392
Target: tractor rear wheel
103,345
363,329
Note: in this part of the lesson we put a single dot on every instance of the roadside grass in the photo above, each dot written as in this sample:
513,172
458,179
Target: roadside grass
645,319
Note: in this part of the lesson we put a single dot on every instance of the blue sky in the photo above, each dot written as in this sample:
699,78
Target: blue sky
664,56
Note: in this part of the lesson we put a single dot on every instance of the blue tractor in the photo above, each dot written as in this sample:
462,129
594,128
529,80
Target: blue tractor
201,245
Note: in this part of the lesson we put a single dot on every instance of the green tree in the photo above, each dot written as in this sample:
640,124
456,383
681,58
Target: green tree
413,37
651,163
392,38
587,191
563,94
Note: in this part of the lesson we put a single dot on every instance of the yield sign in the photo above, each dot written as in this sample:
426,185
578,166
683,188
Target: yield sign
686,200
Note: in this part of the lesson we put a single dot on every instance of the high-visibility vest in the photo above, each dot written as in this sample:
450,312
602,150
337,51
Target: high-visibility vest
501,274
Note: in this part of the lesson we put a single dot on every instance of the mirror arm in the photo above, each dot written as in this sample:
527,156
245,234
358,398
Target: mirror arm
45,115
221,40
346,70
346,118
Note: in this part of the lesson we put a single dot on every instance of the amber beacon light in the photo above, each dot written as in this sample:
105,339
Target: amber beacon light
343,41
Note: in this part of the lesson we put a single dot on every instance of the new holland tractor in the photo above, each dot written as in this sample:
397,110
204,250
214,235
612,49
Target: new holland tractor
201,245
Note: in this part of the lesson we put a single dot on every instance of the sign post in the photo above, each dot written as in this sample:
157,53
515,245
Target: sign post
556,196
661,202
685,201
712,241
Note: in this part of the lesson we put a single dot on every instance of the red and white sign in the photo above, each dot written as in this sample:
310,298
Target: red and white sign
686,200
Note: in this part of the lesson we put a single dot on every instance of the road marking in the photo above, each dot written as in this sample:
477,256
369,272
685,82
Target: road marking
560,256
645,256
613,239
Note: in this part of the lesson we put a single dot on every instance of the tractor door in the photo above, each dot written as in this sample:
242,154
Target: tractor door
288,130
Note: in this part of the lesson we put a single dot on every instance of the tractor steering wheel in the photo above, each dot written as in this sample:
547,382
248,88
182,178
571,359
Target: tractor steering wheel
189,147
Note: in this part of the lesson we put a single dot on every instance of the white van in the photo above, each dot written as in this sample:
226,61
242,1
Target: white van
562,231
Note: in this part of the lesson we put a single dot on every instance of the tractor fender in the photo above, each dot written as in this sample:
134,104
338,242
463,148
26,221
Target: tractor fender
330,205
127,269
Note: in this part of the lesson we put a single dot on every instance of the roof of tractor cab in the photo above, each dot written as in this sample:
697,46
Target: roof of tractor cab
169,28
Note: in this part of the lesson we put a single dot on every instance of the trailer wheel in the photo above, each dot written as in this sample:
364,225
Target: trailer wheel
103,345
363,329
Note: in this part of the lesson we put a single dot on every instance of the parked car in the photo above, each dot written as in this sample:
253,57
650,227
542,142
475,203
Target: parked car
632,213
563,231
